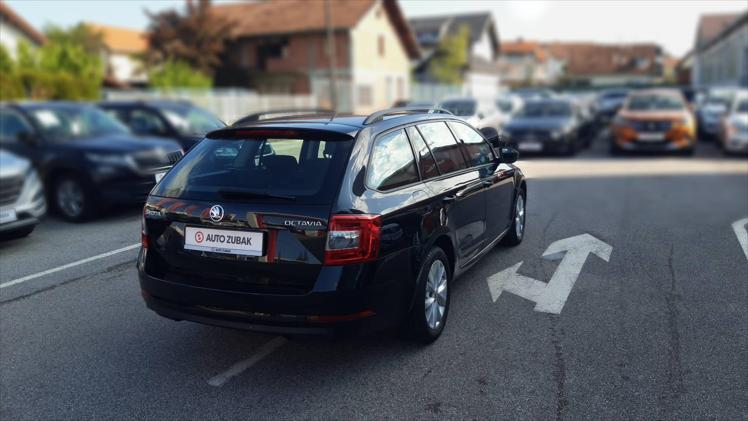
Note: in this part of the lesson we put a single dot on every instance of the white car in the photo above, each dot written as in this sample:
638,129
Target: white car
477,112
22,201
733,134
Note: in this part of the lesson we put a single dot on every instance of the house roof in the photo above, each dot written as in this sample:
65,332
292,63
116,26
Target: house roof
298,16
429,30
121,40
8,15
711,25
588,58
522,47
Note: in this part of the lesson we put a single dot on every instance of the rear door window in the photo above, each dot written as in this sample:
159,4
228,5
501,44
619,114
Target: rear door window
301,170
425,160
392,164
477,149
444,147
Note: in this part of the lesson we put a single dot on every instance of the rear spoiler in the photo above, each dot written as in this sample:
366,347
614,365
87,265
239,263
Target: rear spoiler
269,115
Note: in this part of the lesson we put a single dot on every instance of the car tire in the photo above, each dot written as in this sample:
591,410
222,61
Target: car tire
430,309
73,198
519,217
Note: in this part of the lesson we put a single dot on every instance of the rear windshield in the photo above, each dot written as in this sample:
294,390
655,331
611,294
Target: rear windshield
460,107
655,103
304,171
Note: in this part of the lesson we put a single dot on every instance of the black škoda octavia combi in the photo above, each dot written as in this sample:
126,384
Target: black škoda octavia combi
319,225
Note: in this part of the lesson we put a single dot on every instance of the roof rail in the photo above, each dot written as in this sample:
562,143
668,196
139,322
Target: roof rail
265,115
380,115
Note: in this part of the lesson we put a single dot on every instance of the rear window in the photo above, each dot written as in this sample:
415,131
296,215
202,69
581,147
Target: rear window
392,163
300,170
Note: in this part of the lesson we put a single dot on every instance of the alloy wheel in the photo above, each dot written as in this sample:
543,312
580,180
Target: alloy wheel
70,198
436,294
519,217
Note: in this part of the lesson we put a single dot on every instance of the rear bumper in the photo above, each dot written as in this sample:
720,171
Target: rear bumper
326,313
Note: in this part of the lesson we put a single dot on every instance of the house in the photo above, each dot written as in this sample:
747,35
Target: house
597,64
481,75
14,30
720,52
122,47
526,63
282,47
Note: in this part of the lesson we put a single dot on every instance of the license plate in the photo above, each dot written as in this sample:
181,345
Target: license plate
651,137
159,175
245,243
530,146
8,215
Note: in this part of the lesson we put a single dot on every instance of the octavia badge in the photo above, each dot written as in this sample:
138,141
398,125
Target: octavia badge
216,213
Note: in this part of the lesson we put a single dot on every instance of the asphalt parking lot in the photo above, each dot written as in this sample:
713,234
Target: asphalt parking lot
639,311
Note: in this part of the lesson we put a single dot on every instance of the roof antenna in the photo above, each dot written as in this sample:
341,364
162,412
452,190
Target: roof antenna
332,117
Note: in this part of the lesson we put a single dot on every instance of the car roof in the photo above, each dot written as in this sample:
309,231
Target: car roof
148,102
348,124
657,91
52,104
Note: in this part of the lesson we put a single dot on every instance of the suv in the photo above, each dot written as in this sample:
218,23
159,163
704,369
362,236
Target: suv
354,223
22,201
85,158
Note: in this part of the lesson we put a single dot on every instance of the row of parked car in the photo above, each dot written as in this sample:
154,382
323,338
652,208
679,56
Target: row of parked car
81,158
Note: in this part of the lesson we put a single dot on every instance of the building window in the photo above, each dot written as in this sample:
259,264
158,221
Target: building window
365,95
380,42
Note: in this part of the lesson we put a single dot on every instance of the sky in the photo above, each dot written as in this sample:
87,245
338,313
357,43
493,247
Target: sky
672,24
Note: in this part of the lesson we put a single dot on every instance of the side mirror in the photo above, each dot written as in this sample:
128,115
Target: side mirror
508,155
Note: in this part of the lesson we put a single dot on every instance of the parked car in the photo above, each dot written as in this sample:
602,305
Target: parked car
508,106
85,158
654,120
22,202
356,223
177,120
608,103
530,94
733,136
478,113
711,111
545,126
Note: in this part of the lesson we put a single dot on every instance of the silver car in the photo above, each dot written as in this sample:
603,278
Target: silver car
22,201
733,136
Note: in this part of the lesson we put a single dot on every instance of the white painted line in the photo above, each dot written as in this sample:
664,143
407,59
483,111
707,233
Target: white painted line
238,368
68,266
741,231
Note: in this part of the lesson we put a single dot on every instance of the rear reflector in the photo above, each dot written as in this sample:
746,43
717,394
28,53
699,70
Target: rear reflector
352,239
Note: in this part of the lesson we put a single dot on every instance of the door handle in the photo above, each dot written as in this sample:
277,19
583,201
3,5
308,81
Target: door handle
487,183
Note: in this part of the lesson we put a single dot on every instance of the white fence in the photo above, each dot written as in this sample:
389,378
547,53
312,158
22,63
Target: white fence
432,92
228,104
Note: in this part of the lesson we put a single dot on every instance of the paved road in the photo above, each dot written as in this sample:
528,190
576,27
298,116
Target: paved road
658,331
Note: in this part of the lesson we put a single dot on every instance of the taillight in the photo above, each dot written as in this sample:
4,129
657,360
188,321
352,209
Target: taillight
352,239
143,231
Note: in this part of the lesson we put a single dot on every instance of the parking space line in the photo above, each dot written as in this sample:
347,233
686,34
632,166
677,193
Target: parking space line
238,368
68,266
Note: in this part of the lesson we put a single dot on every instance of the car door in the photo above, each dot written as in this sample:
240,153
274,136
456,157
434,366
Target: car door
496,177
460,189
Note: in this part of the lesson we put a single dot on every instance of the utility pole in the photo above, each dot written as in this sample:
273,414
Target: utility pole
331,54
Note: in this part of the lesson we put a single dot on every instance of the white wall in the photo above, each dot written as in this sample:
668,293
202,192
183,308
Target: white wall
124,68
10,37
482,48
481,85
725,62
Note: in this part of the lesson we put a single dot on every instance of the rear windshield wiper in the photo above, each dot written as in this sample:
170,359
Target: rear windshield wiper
245,193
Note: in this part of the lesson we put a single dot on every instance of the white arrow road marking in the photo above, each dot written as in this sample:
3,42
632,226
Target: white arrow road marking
741,231
551,297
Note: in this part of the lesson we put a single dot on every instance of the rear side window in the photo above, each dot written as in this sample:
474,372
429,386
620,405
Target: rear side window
425,159
392,164
478,151
444,146
303,170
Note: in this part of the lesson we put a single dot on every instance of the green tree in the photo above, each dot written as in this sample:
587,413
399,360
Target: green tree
451,57
6,61
83,35
177,74
196,37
